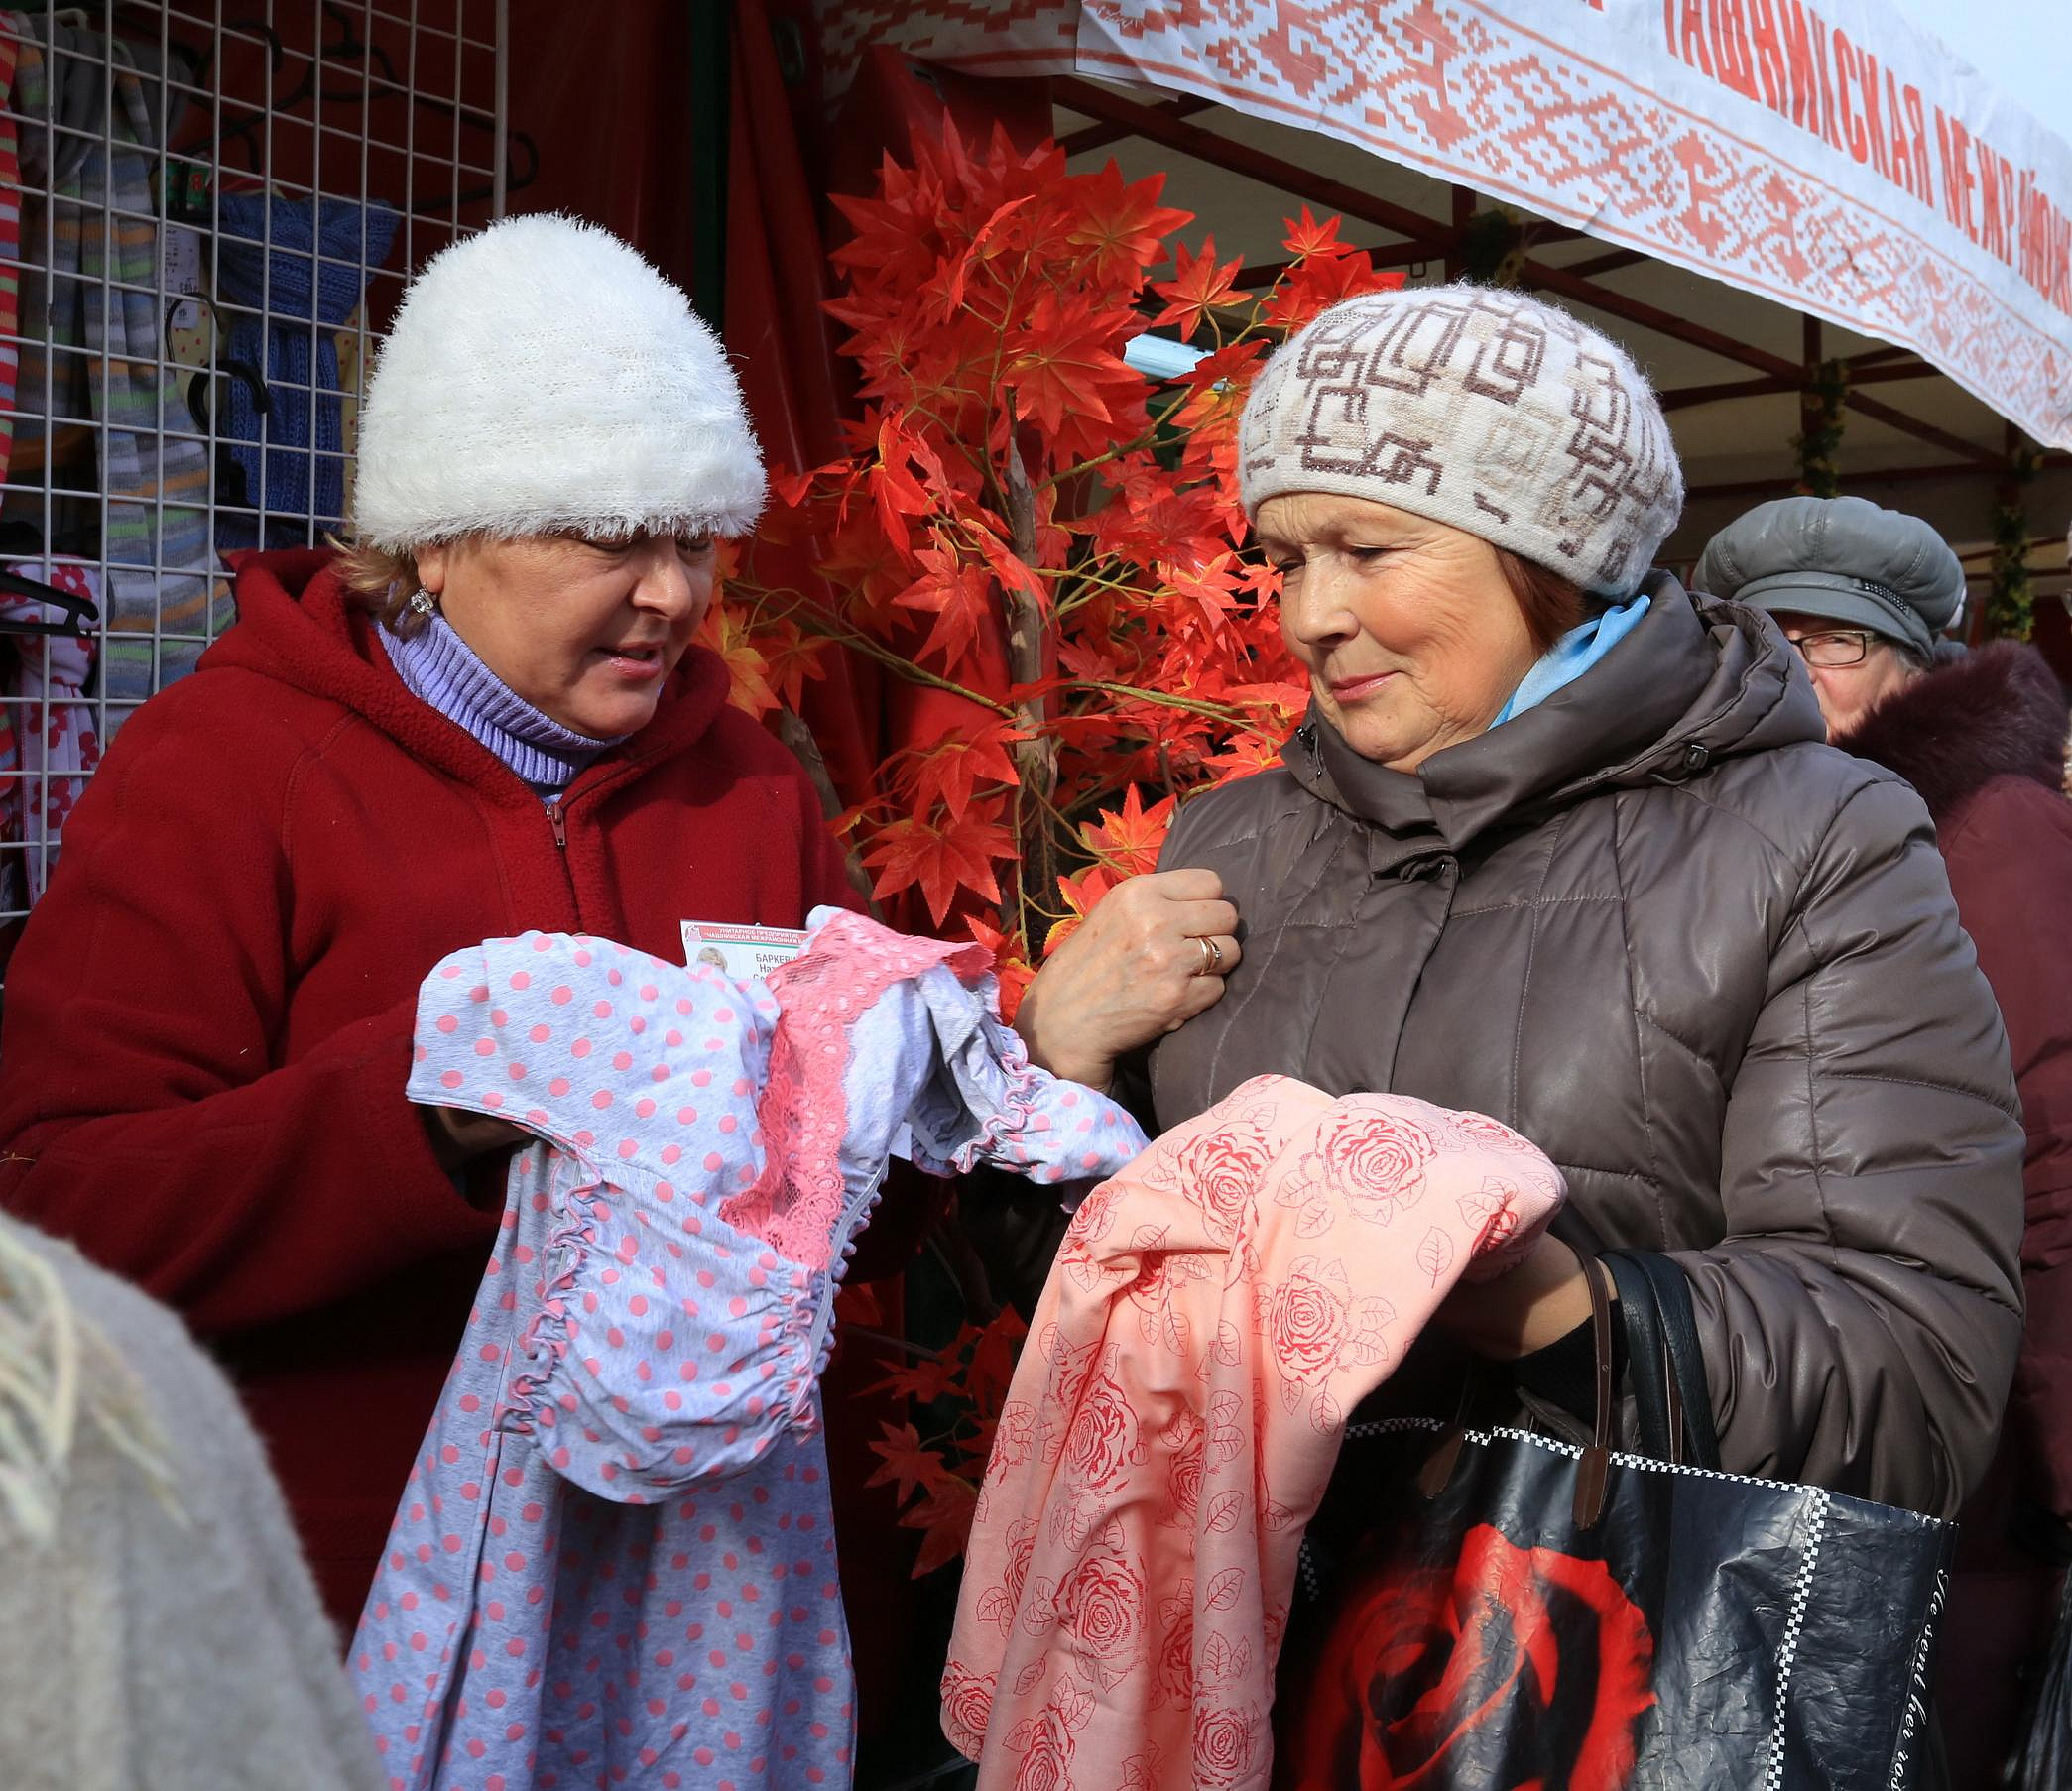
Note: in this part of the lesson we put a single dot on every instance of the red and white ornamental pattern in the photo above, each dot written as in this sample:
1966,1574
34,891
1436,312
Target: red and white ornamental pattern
1831,157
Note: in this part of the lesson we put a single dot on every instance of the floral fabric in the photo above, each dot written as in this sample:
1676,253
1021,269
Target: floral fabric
1215,1311
614,1561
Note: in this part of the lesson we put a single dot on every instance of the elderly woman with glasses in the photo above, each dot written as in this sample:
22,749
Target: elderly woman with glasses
1864,594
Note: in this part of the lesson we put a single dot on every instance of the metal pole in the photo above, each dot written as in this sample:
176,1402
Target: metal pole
503,108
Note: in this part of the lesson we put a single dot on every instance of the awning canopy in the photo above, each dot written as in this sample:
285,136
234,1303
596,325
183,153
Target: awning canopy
1833,159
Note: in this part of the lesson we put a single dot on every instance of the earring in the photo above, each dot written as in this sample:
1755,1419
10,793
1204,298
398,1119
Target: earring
424,604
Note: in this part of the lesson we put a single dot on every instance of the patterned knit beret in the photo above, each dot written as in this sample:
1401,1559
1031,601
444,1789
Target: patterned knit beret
1478,408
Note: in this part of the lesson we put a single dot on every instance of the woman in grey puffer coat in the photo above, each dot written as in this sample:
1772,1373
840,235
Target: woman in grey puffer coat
1564,844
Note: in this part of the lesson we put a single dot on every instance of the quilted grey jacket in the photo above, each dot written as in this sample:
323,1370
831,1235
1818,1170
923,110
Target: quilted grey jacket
1711,966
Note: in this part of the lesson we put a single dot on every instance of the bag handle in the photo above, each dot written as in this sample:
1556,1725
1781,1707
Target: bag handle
1667,1361
1668,1371
1594,1475
1594,1472
1658,1434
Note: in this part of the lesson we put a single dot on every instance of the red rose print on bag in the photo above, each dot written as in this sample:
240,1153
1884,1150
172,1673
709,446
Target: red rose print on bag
1494,1210
999,1604
1186,1437
1102,1439
1071,1368
1093,1215
1014,1434
1101,1442
1451,1677
1161,1275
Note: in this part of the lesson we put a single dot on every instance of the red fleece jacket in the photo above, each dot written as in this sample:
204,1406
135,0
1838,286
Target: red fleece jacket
209,1015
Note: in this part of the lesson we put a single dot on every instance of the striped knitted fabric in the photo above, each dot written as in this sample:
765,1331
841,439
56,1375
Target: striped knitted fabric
438,667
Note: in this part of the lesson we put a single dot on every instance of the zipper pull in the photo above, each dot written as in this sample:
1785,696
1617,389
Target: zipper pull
561,823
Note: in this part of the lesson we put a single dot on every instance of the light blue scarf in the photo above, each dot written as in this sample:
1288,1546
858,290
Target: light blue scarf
1572,655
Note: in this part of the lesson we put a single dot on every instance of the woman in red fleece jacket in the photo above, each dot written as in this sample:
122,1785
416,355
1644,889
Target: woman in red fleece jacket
487,717
208,1016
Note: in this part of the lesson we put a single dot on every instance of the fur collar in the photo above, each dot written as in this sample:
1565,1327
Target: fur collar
1997,712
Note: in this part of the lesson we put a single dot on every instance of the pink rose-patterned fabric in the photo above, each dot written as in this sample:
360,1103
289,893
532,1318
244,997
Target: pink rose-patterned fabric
614,1563
1216,1310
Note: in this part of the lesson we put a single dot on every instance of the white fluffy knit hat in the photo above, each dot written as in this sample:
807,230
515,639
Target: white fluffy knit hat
542,376
1479,407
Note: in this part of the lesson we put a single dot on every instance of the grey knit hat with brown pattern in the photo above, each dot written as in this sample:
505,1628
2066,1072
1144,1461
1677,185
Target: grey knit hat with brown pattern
1479,407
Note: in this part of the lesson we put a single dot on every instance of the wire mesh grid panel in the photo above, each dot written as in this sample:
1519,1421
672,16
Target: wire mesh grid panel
206,211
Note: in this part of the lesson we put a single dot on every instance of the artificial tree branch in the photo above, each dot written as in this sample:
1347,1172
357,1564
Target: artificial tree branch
792,731
839,632
1036,756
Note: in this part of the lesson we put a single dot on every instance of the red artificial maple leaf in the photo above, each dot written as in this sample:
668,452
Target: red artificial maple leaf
857,1303
941,856
1307,237
1207,590
1197,287
1127,840
950,770
1063,370
931,1378
1012,571
1125,227
790,657
905,1462
1011,965
944,1519
1244,755
899,495
726,632
960,596
993,1353
945,293
1315,285
1080,895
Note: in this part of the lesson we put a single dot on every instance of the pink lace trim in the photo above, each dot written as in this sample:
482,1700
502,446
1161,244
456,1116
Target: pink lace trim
798,1201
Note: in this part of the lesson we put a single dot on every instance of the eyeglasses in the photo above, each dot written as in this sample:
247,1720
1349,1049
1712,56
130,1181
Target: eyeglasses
1832,650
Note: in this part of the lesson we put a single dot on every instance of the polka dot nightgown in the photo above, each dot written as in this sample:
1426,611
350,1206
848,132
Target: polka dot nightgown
614,1562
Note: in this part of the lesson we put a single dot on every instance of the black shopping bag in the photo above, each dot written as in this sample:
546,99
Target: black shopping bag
2042,1758
1535,1617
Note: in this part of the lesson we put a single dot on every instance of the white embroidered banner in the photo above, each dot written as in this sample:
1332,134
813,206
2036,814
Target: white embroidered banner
1831,157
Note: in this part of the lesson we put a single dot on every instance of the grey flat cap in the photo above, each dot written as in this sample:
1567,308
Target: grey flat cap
1840,557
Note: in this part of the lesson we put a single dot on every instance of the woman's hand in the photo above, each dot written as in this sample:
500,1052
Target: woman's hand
1136,970
1524,1309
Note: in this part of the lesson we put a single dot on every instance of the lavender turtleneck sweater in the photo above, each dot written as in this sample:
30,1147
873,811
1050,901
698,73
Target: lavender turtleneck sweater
438,667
